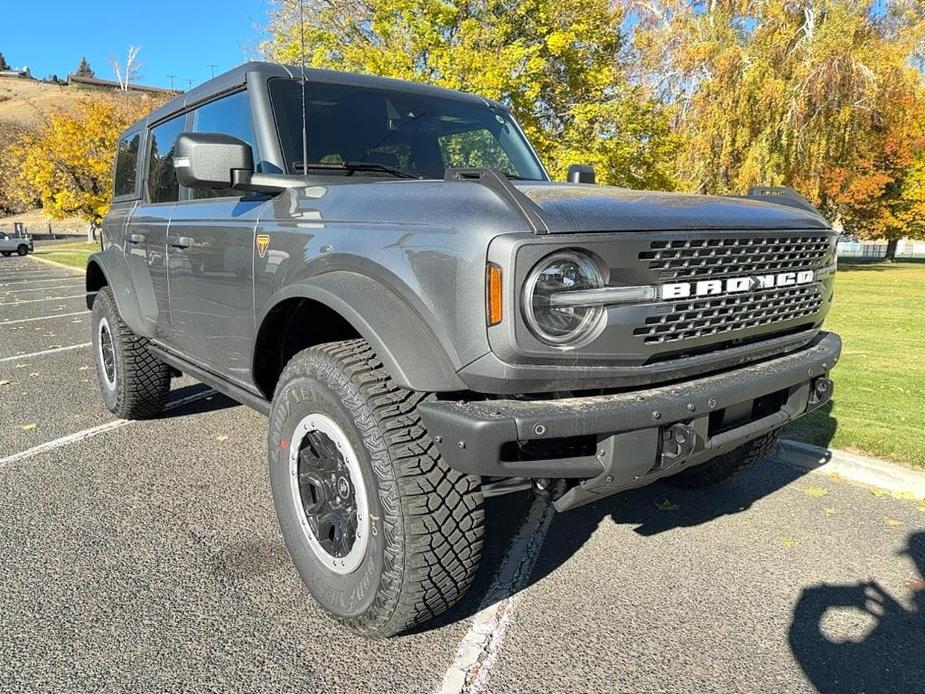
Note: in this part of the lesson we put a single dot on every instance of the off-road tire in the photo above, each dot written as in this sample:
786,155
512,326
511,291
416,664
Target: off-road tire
727,465
22,249
142,381
427,520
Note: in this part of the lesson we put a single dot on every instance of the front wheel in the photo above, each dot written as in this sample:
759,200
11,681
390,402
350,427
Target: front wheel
134,383
7,254
384,534
22,249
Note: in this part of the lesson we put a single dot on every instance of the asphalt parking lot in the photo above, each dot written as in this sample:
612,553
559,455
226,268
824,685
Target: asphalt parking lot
145,556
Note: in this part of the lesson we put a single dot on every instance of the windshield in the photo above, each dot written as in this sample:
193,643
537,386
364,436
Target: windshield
410,133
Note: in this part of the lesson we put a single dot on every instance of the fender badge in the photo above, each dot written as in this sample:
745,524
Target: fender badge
263,243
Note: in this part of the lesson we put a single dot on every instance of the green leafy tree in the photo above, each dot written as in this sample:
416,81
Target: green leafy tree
558,65
84,69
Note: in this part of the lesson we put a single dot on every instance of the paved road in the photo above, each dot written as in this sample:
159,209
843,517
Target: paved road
146,557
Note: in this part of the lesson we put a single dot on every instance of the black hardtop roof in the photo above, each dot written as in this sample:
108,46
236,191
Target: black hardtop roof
236,77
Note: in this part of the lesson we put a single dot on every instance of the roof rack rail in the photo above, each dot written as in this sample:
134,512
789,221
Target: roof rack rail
501,185
781,195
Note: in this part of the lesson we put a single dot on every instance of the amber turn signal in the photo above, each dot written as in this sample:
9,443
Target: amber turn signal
493,282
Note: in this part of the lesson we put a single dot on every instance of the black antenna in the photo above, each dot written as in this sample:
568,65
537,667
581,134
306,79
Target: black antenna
304,88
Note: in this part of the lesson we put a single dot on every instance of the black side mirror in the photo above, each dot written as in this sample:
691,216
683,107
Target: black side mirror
581,173
208,160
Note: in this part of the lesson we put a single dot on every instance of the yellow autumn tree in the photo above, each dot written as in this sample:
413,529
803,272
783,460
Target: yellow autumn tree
558,65
66,162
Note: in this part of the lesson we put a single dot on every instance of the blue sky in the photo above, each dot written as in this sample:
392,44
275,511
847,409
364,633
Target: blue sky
177,38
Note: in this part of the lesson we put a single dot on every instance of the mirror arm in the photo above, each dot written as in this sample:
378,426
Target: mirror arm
251,182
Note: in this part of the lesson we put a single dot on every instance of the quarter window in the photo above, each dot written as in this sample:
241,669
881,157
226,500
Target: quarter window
162,178
126,165
230,115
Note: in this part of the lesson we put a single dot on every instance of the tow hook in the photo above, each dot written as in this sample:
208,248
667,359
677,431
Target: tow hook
678,443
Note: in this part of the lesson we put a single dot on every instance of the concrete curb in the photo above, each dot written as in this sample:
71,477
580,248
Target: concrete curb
857,468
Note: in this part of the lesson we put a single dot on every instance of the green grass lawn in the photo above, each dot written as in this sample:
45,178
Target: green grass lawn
71,254
879,403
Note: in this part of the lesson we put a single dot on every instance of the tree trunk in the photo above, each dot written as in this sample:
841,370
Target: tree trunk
891,245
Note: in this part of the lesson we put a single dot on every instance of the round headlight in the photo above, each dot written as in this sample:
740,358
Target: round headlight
561,324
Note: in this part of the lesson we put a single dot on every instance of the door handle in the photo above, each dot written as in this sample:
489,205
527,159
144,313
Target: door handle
136,238
179,241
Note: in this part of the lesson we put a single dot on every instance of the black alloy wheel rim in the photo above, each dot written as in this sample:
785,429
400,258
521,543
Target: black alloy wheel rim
327,495
108,354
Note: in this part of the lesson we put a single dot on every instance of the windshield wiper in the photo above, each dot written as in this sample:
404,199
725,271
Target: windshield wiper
351,166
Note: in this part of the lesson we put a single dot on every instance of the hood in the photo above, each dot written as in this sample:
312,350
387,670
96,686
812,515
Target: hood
569,207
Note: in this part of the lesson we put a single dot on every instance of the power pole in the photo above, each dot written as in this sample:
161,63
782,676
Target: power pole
189,82
171,78
212,66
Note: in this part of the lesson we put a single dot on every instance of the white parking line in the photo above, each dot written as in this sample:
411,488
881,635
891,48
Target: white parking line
47,278
6,292
55,315
47,298
478,651
94,431
20,357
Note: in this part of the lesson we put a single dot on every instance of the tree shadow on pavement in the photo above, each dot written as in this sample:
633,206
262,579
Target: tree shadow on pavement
889,657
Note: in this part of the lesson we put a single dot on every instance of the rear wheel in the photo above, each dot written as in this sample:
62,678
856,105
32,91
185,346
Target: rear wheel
22,249
384,534
7,254
722,467
133,382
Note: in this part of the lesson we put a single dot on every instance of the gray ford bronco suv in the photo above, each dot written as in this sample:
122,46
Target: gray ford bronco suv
427,320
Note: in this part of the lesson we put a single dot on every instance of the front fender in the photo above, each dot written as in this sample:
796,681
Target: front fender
108,268
401,337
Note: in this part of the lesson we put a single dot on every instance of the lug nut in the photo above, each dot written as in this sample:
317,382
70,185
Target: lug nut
656,414
539,429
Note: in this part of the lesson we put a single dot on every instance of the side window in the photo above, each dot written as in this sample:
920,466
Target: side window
474,148
126,165
230,115
162,179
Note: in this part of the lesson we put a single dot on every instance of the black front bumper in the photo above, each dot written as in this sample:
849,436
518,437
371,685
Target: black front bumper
640,435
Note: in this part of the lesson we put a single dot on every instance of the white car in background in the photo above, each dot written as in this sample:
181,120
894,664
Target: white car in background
21,245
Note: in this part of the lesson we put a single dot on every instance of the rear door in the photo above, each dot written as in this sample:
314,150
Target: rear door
210,257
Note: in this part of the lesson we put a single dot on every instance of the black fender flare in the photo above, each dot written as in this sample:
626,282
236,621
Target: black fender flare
108,268
402,338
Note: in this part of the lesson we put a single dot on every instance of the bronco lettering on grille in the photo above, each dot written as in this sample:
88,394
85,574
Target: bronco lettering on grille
681,290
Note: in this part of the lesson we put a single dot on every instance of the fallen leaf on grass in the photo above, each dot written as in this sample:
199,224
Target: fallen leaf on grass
667,505
815,491
28,427
830,509
4,383
922,507
789,542
221,437
892,522
34,373
878,492
907,496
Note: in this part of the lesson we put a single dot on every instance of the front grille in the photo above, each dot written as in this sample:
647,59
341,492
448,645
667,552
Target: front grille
720,257
703,317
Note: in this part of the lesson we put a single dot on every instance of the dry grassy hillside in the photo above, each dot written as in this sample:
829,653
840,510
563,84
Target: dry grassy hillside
25,101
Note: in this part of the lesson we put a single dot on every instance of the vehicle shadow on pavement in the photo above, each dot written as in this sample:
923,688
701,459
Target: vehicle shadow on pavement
859,638
650,510
210,403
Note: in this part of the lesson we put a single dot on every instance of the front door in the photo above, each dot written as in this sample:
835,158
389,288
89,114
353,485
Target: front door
210,252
